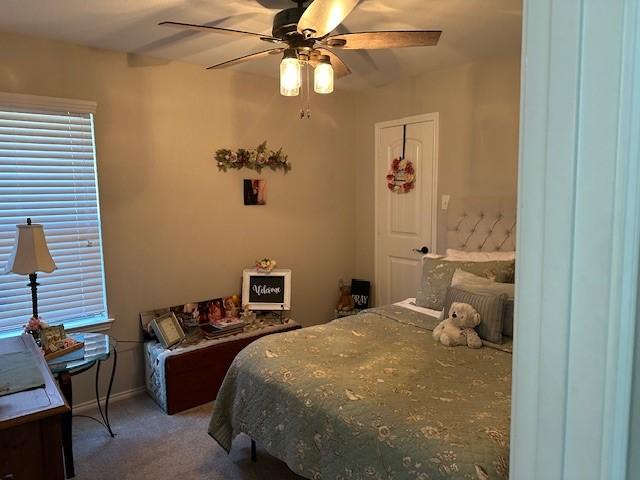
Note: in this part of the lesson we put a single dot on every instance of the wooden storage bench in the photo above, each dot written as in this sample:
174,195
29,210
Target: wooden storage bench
191,375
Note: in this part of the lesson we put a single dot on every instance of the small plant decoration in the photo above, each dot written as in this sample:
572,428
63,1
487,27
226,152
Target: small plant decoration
266,265
34,327
256,159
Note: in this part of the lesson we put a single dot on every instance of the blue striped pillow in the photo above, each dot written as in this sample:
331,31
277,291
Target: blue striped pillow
490,307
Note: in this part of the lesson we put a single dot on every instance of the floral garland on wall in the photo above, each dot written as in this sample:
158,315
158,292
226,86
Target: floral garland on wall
256,159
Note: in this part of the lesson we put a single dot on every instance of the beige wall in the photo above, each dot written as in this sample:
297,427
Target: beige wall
175,229
478,105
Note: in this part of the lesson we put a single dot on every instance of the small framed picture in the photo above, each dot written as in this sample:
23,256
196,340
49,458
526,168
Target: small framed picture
255,192
52,338
361,292
167,329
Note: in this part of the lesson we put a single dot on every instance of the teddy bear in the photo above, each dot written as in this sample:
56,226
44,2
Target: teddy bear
345,302
458,329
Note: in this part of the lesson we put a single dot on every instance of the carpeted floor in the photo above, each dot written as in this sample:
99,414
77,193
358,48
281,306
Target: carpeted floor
152,445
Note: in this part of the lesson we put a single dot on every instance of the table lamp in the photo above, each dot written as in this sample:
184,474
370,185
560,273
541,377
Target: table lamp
30,255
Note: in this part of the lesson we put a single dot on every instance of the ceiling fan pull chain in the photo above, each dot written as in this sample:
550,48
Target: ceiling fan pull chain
302,112
308,93
305,111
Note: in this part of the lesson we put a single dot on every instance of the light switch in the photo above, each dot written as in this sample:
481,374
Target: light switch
445,201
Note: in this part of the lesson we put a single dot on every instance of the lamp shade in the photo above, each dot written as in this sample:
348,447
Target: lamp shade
323,76
290,76
30,252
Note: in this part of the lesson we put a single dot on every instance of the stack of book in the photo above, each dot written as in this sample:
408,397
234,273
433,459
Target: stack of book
66,356
223,327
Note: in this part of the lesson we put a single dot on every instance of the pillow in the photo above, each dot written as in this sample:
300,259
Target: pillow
463,255
488,305
437,275
477,284
507,327
473,283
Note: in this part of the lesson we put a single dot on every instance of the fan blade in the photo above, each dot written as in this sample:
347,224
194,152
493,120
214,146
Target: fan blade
322,16
274,4
340,68
246,58
377,40
208,29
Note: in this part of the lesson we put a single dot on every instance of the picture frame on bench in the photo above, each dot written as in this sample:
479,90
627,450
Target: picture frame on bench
168,329
266,291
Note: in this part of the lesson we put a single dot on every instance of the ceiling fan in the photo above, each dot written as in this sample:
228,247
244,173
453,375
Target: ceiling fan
303,35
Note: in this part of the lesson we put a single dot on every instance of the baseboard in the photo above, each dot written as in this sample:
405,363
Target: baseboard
115,397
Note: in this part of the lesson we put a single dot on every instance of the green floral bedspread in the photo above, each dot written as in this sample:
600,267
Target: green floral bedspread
371,396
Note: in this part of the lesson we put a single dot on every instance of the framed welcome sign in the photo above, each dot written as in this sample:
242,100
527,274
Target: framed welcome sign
266,291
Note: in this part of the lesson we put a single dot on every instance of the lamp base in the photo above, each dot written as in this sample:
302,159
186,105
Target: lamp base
34,293
36,336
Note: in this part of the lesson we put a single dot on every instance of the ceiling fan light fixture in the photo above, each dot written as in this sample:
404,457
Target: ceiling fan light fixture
304,33
323,76
290,74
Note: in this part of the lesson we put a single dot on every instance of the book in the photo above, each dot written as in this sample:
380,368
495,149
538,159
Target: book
66,357
228,324
66,354
213,331
19,372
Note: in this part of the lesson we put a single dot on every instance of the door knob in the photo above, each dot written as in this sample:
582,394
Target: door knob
423,250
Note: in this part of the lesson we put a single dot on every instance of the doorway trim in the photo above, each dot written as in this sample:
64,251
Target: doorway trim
577,240
435,118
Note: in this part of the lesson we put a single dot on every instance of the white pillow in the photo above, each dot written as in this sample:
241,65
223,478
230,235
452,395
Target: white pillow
476,284
461,255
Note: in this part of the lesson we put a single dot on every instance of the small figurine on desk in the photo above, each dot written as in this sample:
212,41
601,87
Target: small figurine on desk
231,306
345,302
190,315
248,316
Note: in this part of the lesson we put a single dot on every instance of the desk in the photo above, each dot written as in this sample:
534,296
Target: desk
30,423
97,348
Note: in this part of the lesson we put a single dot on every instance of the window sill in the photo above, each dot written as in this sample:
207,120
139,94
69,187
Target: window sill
77,326
89,326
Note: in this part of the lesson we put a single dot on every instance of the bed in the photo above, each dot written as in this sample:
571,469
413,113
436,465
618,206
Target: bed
372,396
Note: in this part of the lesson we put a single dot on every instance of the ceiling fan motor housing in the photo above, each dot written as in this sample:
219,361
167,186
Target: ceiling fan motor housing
286,22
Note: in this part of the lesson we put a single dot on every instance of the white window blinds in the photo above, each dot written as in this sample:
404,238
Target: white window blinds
48,173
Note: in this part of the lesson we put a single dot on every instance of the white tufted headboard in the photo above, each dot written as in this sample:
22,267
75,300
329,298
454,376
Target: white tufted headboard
482,224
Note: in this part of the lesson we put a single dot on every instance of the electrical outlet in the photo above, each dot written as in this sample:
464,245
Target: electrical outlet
445,201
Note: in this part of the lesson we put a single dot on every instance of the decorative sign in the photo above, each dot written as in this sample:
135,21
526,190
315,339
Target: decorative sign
360,292
266,291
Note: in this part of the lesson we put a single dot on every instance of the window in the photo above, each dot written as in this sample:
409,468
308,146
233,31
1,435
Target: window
48,173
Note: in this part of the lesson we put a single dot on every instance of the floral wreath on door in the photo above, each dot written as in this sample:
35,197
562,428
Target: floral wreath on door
402,176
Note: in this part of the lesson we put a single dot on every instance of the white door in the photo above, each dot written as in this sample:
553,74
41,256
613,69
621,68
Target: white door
405,222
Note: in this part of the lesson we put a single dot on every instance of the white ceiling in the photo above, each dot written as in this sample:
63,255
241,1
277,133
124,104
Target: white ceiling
473,29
